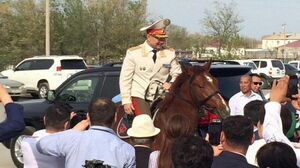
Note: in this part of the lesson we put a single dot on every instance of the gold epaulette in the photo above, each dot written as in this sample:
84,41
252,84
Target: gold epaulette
135,48
170,49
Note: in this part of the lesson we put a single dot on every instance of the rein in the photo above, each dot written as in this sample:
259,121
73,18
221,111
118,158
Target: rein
199,104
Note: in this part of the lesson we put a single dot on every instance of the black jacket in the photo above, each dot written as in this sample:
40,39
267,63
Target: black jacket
230,160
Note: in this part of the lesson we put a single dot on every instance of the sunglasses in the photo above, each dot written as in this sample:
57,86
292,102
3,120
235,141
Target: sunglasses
258,83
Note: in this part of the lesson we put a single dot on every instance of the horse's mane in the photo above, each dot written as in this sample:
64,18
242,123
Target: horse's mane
183,77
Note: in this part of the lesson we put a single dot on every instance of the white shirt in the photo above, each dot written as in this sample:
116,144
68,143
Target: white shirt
239,100
33,158
252,150
153,159
272,127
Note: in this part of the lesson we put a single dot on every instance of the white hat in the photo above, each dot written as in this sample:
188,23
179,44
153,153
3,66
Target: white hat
142,127
157,28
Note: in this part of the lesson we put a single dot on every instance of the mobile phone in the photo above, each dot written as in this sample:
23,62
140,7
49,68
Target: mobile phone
293,86
214,131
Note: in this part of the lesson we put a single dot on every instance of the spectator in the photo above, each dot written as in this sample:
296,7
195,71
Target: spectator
191,152
98,142
176,126
142,135
236,136
57,119
256,85
240,99
252,110
276,155
271,127
14,123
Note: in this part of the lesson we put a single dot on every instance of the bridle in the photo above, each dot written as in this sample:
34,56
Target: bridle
198,103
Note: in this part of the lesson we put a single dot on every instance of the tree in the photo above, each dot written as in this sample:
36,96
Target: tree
222,25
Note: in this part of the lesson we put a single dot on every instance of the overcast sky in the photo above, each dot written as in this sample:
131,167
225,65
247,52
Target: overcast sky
261,17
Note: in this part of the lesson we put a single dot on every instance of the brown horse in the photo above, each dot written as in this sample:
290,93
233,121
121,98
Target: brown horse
193,91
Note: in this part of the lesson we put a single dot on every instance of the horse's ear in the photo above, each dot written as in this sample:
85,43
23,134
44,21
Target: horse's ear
185,67
207,65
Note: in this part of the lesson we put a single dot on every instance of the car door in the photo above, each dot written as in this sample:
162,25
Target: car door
23,74
79,92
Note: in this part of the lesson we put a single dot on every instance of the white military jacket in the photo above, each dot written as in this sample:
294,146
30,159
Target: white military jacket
139,70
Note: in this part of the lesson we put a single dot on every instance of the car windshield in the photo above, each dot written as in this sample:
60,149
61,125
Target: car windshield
252,65
73,64
277,63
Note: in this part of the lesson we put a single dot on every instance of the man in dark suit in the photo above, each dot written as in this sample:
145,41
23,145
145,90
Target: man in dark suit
142,135
14,122
236,136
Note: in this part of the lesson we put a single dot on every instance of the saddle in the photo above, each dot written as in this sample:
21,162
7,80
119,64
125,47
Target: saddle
126,121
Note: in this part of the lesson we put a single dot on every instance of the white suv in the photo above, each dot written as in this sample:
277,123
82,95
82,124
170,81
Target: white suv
269,69
42,73
249,63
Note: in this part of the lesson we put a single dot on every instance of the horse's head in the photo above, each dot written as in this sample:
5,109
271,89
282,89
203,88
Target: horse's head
204,89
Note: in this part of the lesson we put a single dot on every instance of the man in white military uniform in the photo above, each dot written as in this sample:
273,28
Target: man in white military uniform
145,66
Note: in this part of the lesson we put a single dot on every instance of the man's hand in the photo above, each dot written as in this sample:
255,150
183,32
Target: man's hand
4,96
166,85
296,103
128,108
279,90
82,125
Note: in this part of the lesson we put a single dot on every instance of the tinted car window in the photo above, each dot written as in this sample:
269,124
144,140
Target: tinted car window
277,63
24,66
72,64
110,87
256,63
41,64
80,91
290,67
294,64
263,64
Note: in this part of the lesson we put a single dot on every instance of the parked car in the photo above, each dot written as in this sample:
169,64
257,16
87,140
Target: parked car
14,88
247,63
269,69
78,90
296,64
291,70
42,73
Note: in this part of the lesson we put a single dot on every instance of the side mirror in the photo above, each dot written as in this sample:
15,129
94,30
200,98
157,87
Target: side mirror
50,95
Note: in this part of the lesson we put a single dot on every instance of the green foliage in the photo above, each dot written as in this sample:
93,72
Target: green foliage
222,25
101,30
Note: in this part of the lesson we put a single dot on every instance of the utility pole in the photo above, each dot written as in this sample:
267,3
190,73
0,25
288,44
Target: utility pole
47,28
284,38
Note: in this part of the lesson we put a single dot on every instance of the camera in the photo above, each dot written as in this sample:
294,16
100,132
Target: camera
293,86
214,131
95,164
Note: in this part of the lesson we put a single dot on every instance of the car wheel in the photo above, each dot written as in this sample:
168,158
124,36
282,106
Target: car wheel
266,83
15,146
34,95
43,90
15,98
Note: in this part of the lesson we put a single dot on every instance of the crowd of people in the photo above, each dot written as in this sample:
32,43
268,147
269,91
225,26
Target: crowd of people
258,133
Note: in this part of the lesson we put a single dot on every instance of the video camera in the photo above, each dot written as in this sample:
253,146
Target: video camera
95,164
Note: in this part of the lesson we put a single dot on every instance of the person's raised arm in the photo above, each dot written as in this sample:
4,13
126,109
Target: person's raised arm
4,96
14,122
